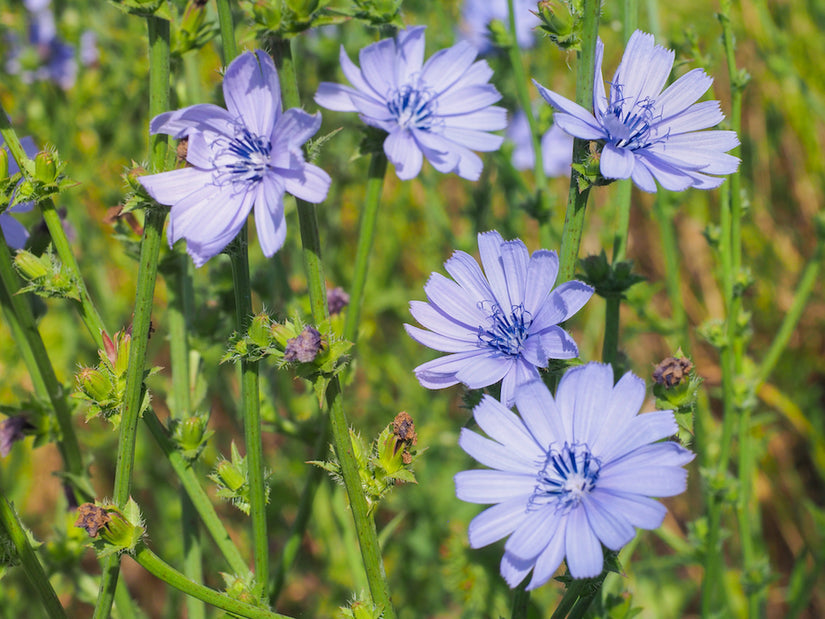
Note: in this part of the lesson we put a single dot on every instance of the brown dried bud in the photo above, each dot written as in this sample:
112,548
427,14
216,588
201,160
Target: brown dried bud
182,149
92,518
672,371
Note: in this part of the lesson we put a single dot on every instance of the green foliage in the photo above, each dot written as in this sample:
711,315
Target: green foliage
232,479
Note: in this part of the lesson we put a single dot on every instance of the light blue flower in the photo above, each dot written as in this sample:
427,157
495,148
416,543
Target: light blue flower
500,325
245,156
570,474
476,16
556,147
651,135
13,231
441,109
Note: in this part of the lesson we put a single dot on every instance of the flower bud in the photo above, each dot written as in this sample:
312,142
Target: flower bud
229,475
259,331
30,266
95,384
45,167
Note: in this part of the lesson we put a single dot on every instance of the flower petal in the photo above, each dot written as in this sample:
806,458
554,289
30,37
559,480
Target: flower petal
201,117
611,528
653,470
531,538
335,97
582,396
616,162
550,558
446,66
542,271
402,150
252,92
269,216
540,414
486,369
497,456
504,426
173,186
496,522
489,486
582,548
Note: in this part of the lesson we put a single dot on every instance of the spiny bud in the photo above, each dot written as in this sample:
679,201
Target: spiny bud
229,475
94,384
259,330
45,167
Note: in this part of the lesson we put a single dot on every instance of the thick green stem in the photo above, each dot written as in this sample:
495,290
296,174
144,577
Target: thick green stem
577,200
610,347
521,597
250,388
197,495
147,275
29,561
24,330
366,236
364,524
574,591
156,566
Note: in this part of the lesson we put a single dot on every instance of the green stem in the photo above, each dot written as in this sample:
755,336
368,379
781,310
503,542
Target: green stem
521,597
147,274
577,200
24,330
29,561
179,286
156,566
250,387
522,94
664,216
366,236
364,524
610,347
574,591
197,495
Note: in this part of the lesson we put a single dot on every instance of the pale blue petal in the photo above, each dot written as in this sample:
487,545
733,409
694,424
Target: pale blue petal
441,343
550,558
447,66
269,216
541,275
669,176
496,522
309,183
440,373
642,178
514,570
467,100
14,232
682,93
582,548
575,116
442,323
173,186
252,92
616,162
540,414
521,371
402,150
466,272
486,369
514,260
531,538
448,298
582,394
488,486
640,511
335,97
497,456
409,53
489,249
472,139
635,433
699,116
625,401
376,61
491,118
611,528
353,74
201,117
599,96
501,424
653,470
556,343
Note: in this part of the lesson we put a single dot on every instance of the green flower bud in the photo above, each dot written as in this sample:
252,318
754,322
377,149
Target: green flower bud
229,475
259,331
30,266
95,384
45,167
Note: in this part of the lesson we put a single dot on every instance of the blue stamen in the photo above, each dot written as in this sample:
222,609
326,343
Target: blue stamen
413,107
250,154
567,475
628,123
506,333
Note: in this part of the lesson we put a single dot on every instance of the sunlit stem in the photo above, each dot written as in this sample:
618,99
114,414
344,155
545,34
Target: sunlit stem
364,524
147,275
250,398
577,200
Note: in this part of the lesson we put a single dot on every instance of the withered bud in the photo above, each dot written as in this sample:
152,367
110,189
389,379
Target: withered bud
337,299
182,149
404,430
92,518
672,371
305,347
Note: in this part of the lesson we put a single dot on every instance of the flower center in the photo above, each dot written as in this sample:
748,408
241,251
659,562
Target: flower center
506,332
568,474
413,107
627,122
247,157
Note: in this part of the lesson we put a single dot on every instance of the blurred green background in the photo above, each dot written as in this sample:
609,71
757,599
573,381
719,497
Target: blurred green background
99,127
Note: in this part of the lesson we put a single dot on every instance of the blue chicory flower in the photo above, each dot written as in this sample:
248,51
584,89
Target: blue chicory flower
571,474
13,231
245,156
441,109
649,134
500,325
476,16
556,147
